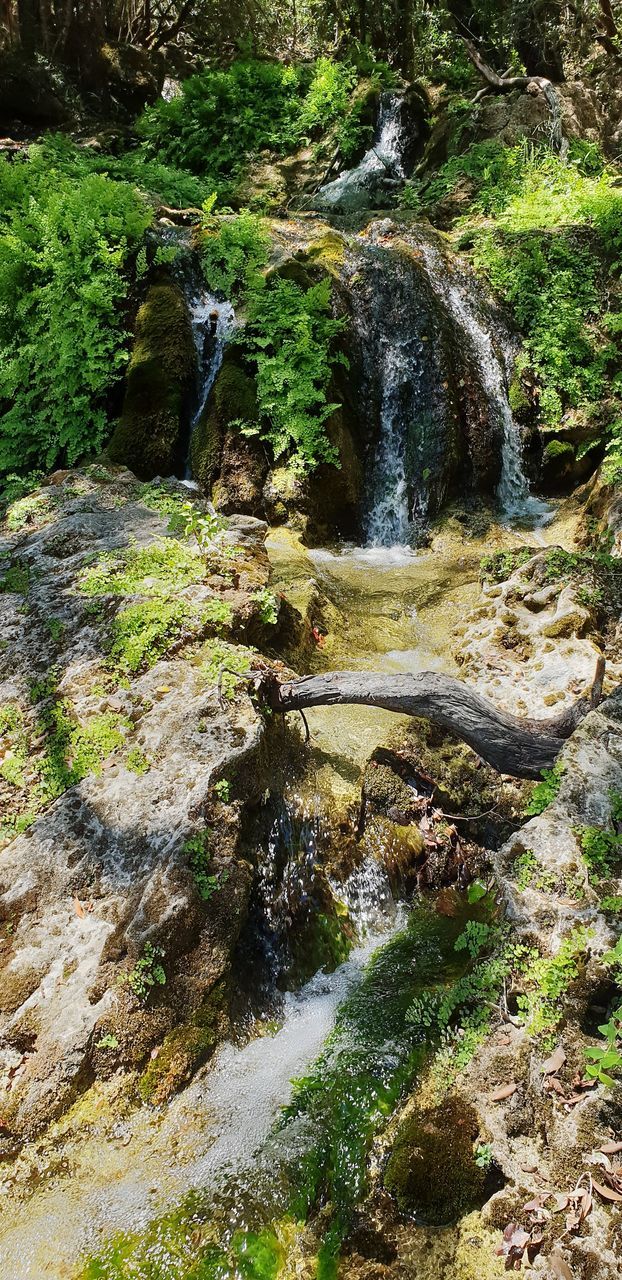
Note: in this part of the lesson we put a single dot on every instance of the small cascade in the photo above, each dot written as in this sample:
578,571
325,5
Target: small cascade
379,173
513,494
212,321
389,521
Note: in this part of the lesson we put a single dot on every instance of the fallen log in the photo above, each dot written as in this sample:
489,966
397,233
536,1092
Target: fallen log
519,747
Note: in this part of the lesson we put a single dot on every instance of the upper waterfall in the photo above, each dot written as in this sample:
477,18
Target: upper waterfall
382,169
212,321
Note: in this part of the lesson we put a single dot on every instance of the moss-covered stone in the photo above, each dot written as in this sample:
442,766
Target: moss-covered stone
184,1049
431,1170
233,397
159,380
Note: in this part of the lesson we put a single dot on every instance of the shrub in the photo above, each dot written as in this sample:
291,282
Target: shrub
66,246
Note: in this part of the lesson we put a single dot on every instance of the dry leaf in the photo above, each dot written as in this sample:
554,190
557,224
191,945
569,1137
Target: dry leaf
78,908
607,1193
554,1063
503,1092
559,1267
610,1148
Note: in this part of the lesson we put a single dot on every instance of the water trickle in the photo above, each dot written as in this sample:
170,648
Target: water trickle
492,363
212,321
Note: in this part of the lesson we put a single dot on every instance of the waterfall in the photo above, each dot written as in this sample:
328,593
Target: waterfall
513,494
389,519
212,321
381,170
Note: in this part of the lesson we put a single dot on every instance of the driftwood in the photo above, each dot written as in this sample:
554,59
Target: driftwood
520,747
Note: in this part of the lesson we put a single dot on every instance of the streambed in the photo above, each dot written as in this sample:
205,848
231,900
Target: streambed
107,1169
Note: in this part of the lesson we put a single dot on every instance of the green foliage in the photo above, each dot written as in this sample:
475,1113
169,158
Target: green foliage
547,979
35,509
476,937
476,891
602,1059
289,336
15,579
199,857
226,664
502,564
148,973
107,1042
484,1155
224,118
233,251
156,570
545,792
143,632
268,606
222,789
66,247
137,762
601,850
529,874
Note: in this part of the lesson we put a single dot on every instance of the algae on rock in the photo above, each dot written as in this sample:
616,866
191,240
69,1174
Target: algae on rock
160,378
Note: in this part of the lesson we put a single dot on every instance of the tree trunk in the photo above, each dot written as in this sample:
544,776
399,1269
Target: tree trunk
520,747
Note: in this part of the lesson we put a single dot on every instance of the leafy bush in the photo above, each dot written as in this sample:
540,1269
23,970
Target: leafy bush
66,247
289,335
233,250
223,117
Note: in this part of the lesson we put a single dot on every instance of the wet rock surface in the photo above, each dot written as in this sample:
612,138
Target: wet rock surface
99,892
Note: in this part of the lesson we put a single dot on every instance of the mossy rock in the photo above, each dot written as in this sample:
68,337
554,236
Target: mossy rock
431,1171
159,381
234,396
184,1049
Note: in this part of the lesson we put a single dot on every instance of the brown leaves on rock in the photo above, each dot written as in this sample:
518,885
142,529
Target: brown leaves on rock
560,1267
576,1204
515,1241
554,1063
504,1091
610,1188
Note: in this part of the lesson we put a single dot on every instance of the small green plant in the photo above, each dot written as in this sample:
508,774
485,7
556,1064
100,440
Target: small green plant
475,938
199,856
601,851
502,564
476,891
148,973
56,628
529,874
136,761
16,579
268,606
602,1059
545,792
483,1155
107,1042
223,790
546,980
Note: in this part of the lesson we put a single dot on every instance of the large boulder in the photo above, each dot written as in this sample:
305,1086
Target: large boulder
160,379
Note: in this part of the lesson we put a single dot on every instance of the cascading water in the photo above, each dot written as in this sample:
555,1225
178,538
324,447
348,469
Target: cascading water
513,494
381,170
212,321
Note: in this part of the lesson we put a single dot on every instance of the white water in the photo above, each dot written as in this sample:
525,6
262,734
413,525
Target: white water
383,160
212,322
513,491
390,520
209,1135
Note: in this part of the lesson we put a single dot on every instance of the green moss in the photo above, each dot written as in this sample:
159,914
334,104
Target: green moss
431,1170
233,399
159,378
558,450
158,570
183,1050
